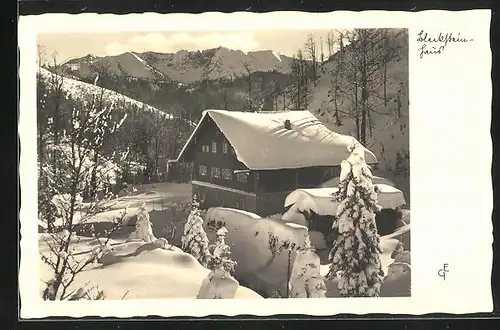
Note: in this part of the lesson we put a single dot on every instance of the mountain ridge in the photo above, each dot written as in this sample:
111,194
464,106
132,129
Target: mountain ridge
182,66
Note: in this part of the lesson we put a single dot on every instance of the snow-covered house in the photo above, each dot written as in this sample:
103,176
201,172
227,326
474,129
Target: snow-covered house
253,160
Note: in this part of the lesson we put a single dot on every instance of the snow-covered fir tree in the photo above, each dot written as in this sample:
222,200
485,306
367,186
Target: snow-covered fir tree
306,280
221,257
195,240
143,227
355,255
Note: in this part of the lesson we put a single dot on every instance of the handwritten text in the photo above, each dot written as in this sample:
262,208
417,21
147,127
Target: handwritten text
436,44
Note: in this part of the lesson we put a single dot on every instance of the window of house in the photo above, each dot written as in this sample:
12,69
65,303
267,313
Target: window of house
215,172
225,146
205,148
202,169
242,177
226,174
214,147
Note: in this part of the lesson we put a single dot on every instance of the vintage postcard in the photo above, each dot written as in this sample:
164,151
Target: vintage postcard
258,159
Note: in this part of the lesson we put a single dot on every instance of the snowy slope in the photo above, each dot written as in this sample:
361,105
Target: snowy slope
78,89
149,67
390,133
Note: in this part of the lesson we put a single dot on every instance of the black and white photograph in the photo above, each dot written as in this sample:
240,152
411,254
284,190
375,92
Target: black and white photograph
235,163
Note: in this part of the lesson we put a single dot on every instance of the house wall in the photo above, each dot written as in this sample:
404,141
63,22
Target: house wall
218,160
271,203
212,196
274,186
272,181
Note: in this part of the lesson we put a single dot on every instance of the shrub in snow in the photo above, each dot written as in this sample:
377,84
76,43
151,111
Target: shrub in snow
355,255
195,240
305,279
221,256
143,228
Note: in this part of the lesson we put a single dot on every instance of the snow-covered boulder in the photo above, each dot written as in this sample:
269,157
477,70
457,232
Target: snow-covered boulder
153,273
218,285
293,215
305,279
249,237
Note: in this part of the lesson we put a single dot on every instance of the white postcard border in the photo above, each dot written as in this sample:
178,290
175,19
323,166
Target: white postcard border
450,146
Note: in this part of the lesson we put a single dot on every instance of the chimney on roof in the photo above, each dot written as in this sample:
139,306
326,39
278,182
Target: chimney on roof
288,124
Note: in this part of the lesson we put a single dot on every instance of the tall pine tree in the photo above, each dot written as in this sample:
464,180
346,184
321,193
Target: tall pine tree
355,256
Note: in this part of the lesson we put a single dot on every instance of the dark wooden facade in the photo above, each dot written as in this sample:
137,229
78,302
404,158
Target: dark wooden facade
220,179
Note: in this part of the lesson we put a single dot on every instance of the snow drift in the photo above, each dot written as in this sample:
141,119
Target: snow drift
151,274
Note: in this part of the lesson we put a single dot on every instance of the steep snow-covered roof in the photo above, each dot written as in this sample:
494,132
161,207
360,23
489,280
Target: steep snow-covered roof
262,142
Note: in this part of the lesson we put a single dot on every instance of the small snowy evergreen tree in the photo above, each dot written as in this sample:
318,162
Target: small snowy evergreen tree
195,240
221,257
306,280
143,227
355,255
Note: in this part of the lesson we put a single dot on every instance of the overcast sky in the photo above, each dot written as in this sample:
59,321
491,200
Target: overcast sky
72,45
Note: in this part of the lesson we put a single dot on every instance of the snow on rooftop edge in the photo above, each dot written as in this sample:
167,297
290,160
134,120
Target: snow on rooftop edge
245,130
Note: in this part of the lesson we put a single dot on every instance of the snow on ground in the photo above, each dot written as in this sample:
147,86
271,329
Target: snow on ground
79,89
152,274
163,195
248,238
159,197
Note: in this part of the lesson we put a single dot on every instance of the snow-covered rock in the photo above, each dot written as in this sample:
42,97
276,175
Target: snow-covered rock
249,238
152,273
218,285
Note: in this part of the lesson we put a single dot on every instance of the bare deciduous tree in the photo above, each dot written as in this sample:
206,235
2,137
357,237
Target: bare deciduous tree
300,92
310,48
248,69
365,58
66,180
